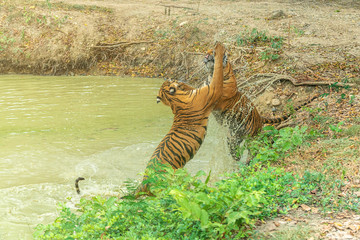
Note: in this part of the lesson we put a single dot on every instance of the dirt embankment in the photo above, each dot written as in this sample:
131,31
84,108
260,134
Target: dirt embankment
168,38
303,41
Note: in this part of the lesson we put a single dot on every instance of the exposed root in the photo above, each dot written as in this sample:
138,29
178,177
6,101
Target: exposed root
270,78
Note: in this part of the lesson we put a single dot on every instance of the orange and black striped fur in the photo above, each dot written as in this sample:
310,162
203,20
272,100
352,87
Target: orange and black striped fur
191,108
236,111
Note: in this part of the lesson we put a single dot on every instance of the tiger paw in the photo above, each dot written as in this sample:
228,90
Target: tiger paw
219,49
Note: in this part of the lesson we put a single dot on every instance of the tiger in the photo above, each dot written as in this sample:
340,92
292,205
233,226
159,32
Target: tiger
236,111
191,108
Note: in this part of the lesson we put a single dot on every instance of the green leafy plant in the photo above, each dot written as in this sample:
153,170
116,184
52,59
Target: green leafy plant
273,144
298,31
5,41
269,54
188,208
351,101
184,207
336,128
255,38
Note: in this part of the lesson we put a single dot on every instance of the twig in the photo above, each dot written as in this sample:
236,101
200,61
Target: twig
287,123
174,6
249,48
319,77
195,53
289,33
121,44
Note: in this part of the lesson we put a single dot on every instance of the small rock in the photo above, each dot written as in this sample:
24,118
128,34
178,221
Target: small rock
314,210
306,208
275,102
270,89
268,102
282,97
277,15
183,23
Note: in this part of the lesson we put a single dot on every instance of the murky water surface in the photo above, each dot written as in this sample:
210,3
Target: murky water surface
55,129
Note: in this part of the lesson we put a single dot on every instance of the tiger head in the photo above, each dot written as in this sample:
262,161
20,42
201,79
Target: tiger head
209,61
173,92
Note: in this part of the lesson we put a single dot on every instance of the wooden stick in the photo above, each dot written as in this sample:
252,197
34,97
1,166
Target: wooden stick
174,6
121,44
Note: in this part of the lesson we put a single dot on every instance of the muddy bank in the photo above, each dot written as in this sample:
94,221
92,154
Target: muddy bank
308,40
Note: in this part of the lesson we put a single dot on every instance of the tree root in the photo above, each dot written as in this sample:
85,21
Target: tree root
271,78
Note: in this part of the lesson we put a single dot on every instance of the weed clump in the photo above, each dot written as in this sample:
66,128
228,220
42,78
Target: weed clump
254,38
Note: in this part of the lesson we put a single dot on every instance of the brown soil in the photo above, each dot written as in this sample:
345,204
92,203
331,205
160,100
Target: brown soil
309,224
320,43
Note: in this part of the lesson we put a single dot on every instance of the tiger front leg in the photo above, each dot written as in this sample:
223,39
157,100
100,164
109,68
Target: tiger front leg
216,85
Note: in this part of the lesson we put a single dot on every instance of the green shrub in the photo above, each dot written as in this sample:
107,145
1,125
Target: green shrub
254,38
187,208
272,144
184,207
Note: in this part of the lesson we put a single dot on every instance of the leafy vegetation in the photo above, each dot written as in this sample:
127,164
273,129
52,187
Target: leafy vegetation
187,208
256,38
273,144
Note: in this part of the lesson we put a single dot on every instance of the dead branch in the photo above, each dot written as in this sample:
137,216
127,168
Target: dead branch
287,124
194,53
174,6
121,44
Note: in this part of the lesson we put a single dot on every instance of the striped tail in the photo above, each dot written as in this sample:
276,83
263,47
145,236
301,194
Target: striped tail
77,184
266,120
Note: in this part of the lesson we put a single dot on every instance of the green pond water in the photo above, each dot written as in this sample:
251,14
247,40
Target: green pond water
55,129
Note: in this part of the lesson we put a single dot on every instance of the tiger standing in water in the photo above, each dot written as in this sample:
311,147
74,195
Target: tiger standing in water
191,108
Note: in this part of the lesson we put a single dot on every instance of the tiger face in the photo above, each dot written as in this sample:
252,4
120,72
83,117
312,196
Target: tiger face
173,92
209,61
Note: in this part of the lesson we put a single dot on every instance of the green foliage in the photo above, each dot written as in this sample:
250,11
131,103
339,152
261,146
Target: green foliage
188,208
5,41
269,54
79,7
251,37
184,207
255,38
31,17
351,101
273,144
336,128
297,31
336,87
